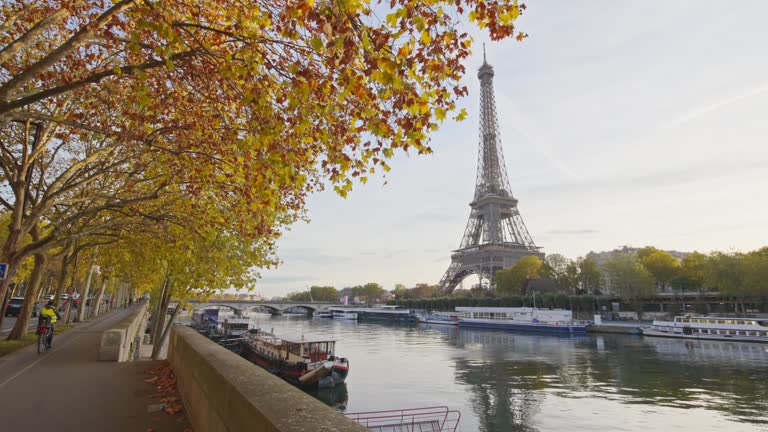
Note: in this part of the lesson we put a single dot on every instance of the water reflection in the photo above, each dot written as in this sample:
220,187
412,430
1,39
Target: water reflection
508,382
509,375
336,397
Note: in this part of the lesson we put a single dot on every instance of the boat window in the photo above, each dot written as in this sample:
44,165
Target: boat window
763,323
720,321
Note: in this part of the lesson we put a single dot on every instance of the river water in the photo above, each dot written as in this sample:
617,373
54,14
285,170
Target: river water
503,381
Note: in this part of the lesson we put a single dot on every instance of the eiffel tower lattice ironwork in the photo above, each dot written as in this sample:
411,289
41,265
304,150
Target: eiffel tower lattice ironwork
496,236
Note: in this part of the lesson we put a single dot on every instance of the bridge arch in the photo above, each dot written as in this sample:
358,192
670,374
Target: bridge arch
219,305
306,307
270,308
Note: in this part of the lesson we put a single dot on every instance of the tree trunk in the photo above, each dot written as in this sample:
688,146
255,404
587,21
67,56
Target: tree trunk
86,287
61,283
5,293
162,312
68,311
30,296
156,313
156,348
99,296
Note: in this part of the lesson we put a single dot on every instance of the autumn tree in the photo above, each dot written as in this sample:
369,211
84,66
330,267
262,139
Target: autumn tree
245,102
662,265
645,251
692,272
514,280
423,290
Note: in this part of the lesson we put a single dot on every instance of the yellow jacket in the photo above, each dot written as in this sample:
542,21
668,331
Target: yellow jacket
49,311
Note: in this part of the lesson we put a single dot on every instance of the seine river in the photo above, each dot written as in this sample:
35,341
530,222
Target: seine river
502,381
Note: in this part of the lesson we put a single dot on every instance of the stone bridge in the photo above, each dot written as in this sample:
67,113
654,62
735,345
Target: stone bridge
273,307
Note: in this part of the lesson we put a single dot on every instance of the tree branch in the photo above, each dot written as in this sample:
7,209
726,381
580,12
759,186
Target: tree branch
6,107
63,50
22,41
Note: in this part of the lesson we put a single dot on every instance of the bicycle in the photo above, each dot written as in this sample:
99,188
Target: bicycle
43,334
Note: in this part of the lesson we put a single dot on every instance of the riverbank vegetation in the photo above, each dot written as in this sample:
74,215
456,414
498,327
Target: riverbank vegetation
632,277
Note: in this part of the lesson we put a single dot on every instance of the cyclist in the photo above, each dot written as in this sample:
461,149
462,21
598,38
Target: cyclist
49,310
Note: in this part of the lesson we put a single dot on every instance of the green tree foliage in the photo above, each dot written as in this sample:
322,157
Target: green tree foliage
590,276
298,296
400,291
423,290
738,274
369,292
514,280
324,293
645,251
723,273
662,265
563,271
629,277
692,273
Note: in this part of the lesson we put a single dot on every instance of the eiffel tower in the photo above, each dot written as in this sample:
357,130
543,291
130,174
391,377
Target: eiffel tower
495,237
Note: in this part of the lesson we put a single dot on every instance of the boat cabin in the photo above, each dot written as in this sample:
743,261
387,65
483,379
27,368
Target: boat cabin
299,349
749,327
516,313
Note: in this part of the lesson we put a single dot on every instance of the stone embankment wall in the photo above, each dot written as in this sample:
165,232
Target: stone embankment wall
119,342
224,392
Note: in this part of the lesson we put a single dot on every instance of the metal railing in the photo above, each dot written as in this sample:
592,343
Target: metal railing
428,419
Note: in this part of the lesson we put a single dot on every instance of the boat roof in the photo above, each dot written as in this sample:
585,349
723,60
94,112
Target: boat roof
719,317
506,309
298,338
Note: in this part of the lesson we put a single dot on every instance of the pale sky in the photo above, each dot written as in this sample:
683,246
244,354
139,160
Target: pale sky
622,123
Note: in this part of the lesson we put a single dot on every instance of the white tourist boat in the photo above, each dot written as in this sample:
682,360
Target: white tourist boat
521,319
344,313
712,328
323,314
442,318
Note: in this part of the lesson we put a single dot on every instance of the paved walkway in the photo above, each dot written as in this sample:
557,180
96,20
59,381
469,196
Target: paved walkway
69,389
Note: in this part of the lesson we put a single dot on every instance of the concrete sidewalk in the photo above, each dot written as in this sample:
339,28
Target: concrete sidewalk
69,389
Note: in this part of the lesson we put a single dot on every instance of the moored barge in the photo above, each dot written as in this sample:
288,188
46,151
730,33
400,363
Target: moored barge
304,361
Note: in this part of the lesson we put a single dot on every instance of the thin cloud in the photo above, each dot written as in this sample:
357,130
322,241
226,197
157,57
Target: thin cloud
708,108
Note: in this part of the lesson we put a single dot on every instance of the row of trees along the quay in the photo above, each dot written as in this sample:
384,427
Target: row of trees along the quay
636,278
170,143
370,292
315,293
